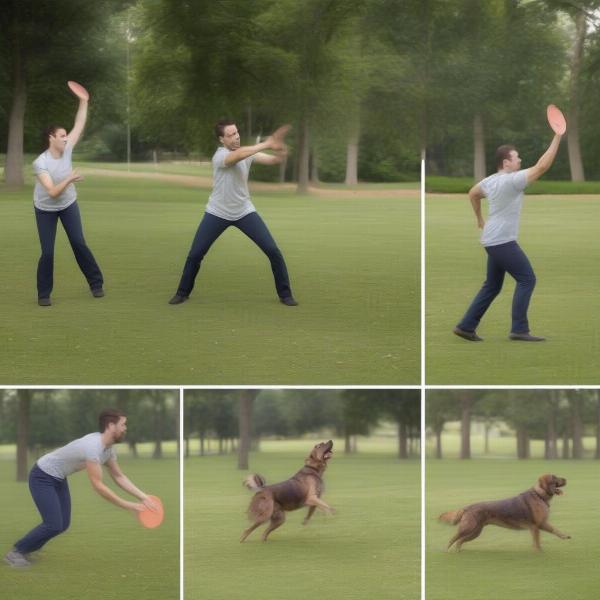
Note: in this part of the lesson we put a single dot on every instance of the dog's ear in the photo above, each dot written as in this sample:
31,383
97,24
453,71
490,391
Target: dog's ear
312,460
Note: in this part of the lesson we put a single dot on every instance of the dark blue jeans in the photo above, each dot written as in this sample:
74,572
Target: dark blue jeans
254,227
53,501
71,221
504,258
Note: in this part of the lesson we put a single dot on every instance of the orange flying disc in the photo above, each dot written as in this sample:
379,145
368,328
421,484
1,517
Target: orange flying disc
78,90
556,119
152,518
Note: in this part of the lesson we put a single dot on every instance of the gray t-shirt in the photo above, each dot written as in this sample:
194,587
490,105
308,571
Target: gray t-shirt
58,169
72,458
504,192
230,198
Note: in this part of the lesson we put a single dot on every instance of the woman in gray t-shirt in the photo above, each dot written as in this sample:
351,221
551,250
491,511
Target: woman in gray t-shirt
54,198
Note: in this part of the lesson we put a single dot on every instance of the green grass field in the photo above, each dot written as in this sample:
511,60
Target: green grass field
105,553
369,549
354,267
560,236
502,563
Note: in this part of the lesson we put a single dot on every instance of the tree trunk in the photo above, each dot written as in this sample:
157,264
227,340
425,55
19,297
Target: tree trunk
347,444
187,447
402,440
202,437
486,445
13,169
133,449
465,427
552,442
303,158
479,170
159,422
247,398
314,168
565,444
24,397
577,427
575,161
352,157
282,169
438,443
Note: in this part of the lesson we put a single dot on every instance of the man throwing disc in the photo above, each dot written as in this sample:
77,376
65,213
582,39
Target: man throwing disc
230,204
504,191
50,490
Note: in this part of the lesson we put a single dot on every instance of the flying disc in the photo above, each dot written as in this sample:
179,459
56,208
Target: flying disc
78,90
556,119
150,518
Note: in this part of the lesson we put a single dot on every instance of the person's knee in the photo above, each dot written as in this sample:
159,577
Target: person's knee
55,528
272,251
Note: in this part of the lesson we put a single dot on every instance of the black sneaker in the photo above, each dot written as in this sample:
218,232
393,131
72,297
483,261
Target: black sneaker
98,293
177,299
526,337
44,302
289,301
467,335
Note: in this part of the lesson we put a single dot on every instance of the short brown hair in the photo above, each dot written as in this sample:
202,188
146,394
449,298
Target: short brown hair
107,416
220,127
502,154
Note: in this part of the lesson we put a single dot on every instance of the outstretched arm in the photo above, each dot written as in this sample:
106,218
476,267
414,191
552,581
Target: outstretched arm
475,196
273,142
125,484
94,471
545,161
272,159
80,119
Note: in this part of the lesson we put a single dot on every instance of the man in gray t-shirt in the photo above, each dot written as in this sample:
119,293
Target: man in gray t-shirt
229,204
50,490
504,191
54,199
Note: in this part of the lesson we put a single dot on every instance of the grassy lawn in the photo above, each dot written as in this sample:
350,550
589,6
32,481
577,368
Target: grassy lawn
502,563
354,267
461,185
560,236
369,549
105,553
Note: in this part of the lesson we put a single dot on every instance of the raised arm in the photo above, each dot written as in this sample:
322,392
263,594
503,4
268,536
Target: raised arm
94,471
475,196
545,161
56,189
80,119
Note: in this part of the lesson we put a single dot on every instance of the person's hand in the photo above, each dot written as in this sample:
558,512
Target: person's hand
480,222
135,506
276,139
150,504
75,176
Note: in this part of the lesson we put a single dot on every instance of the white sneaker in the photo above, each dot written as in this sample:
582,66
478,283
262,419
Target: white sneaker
16,559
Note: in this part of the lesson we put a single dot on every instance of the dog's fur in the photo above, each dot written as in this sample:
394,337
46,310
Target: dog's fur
529,510
271,502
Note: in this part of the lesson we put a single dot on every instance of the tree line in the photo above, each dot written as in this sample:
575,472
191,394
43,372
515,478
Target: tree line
561,418
238,419
40,420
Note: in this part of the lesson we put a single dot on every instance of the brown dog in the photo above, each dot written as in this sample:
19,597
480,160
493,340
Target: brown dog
529,510
303,489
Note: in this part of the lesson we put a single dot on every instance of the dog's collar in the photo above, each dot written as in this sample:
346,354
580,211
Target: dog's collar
314,469
546,501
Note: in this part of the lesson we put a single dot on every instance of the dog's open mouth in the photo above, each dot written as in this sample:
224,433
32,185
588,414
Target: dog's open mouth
329,452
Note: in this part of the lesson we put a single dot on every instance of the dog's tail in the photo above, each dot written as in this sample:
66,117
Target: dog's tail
255,482
453,516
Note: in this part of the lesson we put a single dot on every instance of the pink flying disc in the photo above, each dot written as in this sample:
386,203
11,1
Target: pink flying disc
556,119
150,518
78,90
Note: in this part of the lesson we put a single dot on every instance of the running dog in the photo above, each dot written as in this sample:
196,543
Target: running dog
271,502
529,510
